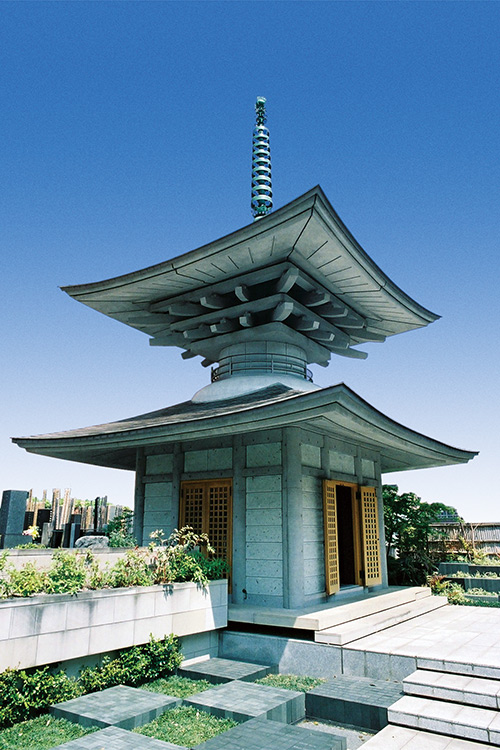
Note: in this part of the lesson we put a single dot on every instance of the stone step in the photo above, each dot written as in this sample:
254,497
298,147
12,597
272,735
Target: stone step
329,614
481,692
347,632
397,738
443,717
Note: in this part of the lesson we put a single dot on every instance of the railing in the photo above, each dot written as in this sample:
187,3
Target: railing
261,363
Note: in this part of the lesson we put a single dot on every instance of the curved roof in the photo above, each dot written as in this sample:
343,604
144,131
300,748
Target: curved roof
336,411
298,271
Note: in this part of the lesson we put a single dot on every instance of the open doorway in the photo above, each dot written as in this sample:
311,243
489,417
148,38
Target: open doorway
346,530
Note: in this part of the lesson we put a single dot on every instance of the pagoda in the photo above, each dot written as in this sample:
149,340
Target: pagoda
284,476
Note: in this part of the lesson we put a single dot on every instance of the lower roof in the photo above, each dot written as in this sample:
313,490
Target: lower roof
336,411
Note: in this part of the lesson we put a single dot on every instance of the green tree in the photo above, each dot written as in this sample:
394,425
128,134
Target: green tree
408,529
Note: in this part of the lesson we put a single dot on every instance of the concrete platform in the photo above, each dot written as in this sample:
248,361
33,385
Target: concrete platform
114,738
397,738
218,671
475,691
335,612
243,701
353,630
119,706
257,734
359,701
453,719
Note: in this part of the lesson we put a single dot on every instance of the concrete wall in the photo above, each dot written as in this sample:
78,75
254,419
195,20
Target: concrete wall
278,547
45,629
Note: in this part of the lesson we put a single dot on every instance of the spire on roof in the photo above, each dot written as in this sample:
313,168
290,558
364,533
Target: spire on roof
262,194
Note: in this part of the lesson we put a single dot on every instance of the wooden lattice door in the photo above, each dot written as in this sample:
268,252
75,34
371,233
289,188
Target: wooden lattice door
206,506
331,538
371,536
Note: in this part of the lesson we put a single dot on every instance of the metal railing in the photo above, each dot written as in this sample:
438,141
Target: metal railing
261,363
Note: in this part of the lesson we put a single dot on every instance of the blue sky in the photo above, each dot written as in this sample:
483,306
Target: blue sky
125,139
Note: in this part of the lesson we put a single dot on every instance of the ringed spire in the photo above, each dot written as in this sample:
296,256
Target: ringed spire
262,193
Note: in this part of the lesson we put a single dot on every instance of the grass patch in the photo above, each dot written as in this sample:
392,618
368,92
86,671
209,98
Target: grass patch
291,682
178,687
186,726
40,734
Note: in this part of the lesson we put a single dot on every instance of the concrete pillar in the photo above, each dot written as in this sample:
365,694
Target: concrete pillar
140,467
238,572
293,520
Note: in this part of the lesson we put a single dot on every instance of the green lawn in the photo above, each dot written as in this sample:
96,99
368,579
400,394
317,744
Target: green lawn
186,726
291,682
178,687
41,733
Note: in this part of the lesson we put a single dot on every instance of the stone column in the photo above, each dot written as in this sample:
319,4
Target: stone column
140,467
293,521
238,573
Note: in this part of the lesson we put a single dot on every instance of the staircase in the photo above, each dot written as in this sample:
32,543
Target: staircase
365,618
456,705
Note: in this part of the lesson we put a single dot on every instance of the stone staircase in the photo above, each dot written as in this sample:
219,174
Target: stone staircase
365,618
460,706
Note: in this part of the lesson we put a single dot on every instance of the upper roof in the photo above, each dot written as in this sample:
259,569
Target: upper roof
297,275
336,411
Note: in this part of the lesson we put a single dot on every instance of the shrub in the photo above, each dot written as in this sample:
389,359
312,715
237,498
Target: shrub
119,530
134,665
26,693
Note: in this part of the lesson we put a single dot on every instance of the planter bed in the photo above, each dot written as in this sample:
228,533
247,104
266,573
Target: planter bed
447,568
488,584
44,629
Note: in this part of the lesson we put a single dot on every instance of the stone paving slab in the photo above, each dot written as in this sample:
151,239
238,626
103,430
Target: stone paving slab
114,738
258,734
453,719
475,691
463,640
359,701
219,671
243,701
397,738
120,706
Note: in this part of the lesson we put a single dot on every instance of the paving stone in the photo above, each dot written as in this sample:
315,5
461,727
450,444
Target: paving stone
451,719
114,738
360,701
242,701
120,706
397,738
258,734
218,670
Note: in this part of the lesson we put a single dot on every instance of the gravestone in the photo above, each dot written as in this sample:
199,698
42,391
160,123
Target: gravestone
12,513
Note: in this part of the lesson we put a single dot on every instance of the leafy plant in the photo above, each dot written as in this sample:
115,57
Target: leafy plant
179,557
27,581
408,526
119,530
131,570
186,726
67,574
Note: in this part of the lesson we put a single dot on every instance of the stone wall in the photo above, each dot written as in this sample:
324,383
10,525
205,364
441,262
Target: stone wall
45,629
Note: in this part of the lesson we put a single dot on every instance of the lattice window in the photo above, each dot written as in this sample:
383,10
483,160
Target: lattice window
331,539
371,536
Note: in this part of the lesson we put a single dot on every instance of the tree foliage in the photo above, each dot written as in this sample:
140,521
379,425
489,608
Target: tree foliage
408,530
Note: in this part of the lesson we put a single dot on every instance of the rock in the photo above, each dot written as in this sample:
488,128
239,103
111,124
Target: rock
92,541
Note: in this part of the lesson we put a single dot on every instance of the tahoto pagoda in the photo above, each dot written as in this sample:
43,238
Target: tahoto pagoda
284,476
